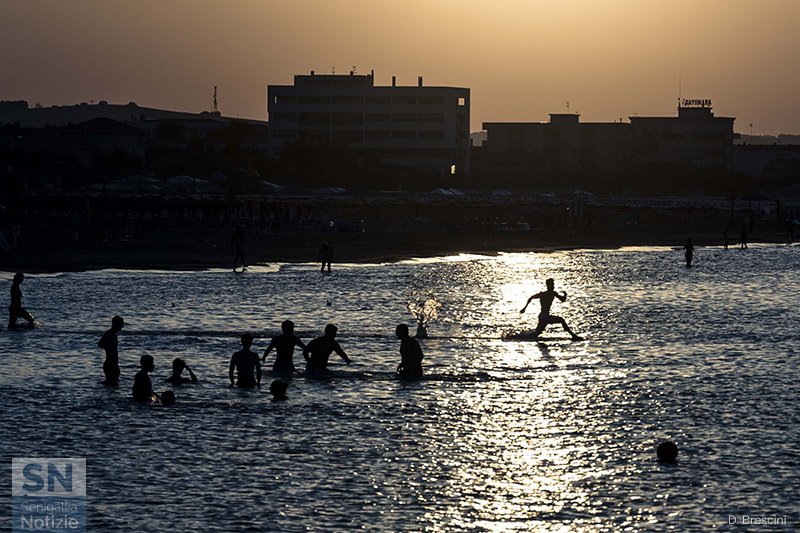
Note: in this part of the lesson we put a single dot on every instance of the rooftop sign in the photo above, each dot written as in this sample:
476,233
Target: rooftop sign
696,103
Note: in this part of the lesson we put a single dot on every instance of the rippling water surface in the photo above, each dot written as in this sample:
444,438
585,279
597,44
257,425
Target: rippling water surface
500,435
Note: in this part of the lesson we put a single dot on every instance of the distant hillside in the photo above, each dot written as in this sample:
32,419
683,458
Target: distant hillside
783,138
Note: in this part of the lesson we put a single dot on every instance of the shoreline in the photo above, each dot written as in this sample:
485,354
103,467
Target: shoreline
212,250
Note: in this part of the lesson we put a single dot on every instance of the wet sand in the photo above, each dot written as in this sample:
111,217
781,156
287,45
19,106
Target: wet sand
190,251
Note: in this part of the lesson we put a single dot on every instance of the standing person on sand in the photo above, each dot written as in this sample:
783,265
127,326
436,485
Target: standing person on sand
15,310
688,249
325,256
237,243
108,342
546,300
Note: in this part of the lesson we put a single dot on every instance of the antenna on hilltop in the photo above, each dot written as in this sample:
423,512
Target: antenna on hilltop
214,106
354,70
567,106
333,70
679,88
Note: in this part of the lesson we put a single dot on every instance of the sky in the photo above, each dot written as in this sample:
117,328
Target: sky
522,59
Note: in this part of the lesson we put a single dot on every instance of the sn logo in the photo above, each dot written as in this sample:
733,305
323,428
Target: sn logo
34,473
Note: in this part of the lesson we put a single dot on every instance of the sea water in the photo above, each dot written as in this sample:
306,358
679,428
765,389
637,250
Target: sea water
500,435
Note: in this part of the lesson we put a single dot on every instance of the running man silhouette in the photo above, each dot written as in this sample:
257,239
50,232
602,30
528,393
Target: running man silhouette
109,343
15,310
284,349
546,300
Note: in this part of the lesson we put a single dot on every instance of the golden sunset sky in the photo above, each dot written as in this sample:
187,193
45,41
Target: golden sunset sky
522,59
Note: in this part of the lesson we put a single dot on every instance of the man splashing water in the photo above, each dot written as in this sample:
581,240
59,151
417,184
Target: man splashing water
546,300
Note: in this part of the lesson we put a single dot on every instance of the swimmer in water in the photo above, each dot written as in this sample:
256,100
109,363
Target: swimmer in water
109,343
688,249
142,386
178,365
546,300
410,366
284,349
245,363
278,390
15,310
319,350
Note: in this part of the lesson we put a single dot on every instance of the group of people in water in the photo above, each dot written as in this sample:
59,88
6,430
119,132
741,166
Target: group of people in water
244,369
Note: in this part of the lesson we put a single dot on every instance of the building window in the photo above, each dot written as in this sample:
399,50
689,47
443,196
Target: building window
315,99
285,99
377,134
283,116
348,119
315,119
348,137
377,117
431,117
404,134
377,100
404,100
431,100
462,101
431,134
285,134
348,99
404,117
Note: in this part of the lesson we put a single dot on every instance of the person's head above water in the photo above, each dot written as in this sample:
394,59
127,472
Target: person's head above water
147,363
247,340
117,323
287,327
19,277
401,331
178,365
330,331
667,452
278,389
168,397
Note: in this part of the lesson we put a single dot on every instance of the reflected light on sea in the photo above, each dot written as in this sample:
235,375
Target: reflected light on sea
500,435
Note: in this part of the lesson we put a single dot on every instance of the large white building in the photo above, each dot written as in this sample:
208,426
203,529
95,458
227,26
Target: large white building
414,126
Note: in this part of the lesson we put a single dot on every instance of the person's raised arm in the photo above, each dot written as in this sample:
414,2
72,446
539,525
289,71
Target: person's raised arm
231,367
298,342
535,296
563,296
191,374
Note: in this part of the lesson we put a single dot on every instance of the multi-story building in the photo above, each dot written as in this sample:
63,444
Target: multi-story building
414,126
695,137
564,145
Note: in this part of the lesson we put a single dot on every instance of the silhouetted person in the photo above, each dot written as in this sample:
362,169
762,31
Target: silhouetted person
178,365
109,343
743,238
246,364
726,236
284,349
167,398
142,387
688,250
278,390
319,350
546,300
325,256
237,242
15,310
410,354
667,452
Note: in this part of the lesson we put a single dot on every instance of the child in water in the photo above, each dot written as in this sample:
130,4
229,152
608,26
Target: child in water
410,366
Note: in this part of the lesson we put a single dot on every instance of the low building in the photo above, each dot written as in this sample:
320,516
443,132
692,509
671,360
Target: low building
413,126
695,137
